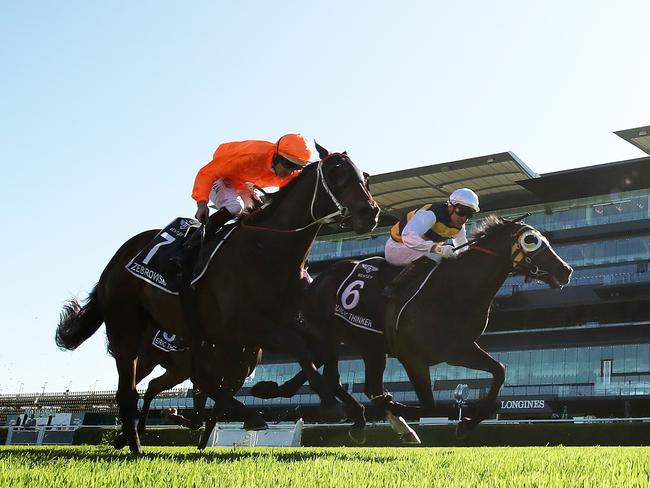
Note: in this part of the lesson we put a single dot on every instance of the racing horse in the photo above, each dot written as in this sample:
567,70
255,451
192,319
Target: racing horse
246,298
440,322
178,368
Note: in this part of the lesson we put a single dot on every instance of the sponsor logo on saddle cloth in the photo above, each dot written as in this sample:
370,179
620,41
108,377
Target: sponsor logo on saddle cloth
153,263
355,303
169,342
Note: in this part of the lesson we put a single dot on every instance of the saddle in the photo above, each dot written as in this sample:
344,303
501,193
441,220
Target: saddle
359,297
155,264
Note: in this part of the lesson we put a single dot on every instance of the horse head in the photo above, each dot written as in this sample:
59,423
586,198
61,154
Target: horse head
531,255
348,189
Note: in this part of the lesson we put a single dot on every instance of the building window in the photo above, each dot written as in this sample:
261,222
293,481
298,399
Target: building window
606,371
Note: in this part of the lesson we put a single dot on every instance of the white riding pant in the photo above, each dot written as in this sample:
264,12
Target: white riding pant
398,254
223,195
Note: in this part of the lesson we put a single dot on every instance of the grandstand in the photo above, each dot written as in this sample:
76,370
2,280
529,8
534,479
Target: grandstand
582,351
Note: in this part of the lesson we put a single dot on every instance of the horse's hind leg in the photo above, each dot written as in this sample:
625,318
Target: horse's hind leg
127,396
124,334
147,361
167,380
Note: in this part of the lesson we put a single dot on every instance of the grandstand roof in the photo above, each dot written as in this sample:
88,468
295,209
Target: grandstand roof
600,179
640,137
494,177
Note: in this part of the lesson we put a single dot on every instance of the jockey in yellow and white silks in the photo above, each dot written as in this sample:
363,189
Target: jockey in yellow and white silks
422,233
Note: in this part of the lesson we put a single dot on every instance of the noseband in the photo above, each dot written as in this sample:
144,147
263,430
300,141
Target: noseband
520,260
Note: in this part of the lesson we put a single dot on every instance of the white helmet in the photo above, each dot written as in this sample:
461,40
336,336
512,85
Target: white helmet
466,197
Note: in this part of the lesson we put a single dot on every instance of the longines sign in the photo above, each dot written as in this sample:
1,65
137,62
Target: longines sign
524,404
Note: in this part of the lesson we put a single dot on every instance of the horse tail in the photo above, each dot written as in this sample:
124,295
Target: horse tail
77,323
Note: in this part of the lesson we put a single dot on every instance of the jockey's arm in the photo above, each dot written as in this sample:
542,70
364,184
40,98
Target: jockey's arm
414,230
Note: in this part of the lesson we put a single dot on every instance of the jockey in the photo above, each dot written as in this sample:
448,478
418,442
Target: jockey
417,241
226,181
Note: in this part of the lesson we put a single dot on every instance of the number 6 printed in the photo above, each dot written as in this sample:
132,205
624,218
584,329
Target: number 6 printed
350,292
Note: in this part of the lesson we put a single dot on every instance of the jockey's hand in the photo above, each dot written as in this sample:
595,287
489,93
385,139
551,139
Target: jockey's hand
202,212
445,251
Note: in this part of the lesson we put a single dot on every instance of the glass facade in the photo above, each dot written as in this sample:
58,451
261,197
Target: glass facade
568,214
563,372
570,372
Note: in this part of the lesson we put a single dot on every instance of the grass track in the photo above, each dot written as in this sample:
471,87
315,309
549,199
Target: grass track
98,466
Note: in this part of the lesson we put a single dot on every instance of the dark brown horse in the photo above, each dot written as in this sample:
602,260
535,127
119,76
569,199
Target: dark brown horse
440,323
178,368
246,298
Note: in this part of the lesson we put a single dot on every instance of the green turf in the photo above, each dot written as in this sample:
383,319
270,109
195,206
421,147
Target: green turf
97,466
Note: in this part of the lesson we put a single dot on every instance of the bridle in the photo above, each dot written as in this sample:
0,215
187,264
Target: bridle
321,182
521,260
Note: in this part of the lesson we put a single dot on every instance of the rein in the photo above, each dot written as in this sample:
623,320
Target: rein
320,178
482,249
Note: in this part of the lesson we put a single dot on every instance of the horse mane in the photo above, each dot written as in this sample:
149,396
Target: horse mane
489,225
278,196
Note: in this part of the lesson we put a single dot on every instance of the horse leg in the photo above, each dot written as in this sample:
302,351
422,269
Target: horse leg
477,358
220,402
420,378
127,397
167,380
199,399
147,361
354,409
287,339
270,389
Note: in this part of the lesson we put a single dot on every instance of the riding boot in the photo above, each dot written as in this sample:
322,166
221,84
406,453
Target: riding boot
396,288
216,221
186,258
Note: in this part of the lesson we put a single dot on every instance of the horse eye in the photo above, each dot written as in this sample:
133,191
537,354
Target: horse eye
339,175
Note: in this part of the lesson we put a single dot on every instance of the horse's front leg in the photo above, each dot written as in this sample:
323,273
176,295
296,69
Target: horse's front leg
287,339
375,364
476,358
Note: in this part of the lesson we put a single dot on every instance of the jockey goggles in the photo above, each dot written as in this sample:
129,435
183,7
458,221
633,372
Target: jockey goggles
290,165
463,211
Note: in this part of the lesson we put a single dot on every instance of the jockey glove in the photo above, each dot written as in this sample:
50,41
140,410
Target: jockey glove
445,252
202,211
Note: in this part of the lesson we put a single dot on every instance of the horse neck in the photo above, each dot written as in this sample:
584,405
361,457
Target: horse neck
274,225
479,276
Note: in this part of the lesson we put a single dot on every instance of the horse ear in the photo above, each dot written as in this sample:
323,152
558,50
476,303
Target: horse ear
322,152
345,152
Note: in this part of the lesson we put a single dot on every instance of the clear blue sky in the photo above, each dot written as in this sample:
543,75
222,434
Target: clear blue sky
109,108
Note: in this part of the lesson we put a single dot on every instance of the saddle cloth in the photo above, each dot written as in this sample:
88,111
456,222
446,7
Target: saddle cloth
359,300
153,264
169,342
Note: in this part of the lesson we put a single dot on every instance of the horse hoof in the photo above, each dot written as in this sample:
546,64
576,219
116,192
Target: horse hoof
136,451
358,435
265,390
332,413
203,441
120,441
464,427
256,422
410,438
